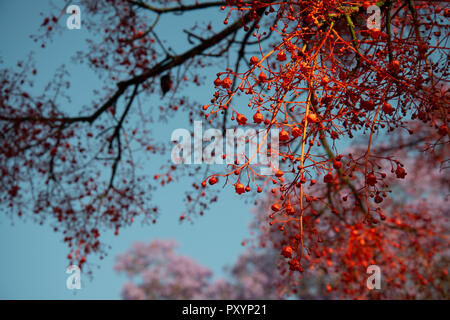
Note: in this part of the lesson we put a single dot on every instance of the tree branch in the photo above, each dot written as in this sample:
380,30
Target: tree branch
181,8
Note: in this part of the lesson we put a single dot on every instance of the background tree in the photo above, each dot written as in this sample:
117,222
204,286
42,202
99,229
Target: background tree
312,69
155,271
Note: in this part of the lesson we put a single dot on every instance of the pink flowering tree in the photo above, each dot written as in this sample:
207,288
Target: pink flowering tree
156,271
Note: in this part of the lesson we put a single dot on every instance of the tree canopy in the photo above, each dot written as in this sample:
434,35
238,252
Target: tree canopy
372,74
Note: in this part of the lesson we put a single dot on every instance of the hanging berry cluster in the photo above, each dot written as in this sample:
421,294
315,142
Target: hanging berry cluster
322,77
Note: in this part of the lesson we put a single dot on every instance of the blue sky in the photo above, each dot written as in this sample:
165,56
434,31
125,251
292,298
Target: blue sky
33,257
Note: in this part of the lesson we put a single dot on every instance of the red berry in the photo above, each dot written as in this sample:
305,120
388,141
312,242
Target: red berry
378,199
279,174
395,65
53,151
375,33
443,130
387,108
328,178
254,60
368,105
290,209
287,252
226,83
275,207
337,164
281,56
294,265
258,117
296,132
240,189
241,120
400,173
262,76
371,179
213,180
312,117
284,135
